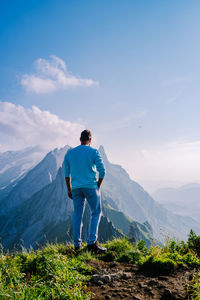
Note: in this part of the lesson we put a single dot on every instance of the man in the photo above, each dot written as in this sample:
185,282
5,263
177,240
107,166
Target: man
80,165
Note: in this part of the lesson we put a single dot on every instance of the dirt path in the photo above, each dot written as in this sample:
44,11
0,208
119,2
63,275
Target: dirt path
125,281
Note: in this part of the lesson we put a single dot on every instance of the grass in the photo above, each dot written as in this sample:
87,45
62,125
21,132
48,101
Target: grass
44,274
194,287
56,272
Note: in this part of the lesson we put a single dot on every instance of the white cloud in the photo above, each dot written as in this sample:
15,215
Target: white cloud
21,127
51,75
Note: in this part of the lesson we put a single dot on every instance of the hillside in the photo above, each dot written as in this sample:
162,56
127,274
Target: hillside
14,165
122,193
128,271
38,177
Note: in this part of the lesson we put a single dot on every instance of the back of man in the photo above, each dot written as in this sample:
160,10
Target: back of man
81,165
83,161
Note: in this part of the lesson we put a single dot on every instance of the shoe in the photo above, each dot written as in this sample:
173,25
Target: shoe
77,249
95,248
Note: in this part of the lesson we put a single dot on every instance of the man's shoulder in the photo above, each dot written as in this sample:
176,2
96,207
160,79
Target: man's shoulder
81,149
84,148
92,149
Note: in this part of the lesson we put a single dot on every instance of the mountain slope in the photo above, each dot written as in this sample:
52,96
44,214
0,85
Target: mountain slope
37,178
38,208
47,215
14,165
128,196
130,228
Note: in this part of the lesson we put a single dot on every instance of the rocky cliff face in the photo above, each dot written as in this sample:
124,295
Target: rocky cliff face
41,175
14,165
47,215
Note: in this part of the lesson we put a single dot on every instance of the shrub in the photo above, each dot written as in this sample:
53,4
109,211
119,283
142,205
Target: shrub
119,245
159,265
194,242
132,256
141,246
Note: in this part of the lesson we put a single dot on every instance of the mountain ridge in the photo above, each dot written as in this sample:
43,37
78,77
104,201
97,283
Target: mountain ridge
37,212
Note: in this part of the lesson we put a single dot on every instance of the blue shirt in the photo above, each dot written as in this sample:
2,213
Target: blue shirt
81,164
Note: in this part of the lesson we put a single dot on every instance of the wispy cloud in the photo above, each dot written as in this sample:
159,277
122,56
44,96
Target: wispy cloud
21,127
52,75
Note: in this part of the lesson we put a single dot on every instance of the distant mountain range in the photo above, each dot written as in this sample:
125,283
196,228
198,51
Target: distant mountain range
14,165
37,208
183,201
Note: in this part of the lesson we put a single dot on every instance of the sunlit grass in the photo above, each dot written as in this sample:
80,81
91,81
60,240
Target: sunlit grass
57,272
53,272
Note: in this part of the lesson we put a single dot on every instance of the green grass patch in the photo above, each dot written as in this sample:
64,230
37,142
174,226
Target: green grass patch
193,288
131,256
118,245
159,265
44,274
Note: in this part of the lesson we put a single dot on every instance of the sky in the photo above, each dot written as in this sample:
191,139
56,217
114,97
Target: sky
128,70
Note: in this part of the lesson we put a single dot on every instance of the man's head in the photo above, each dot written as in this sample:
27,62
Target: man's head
86,137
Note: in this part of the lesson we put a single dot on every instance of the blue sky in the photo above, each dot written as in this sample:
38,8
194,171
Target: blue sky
142,98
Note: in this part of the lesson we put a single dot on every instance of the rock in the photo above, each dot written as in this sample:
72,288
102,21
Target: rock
106,278
127,290
161,286
114,276
101,278
148,289
142,285
100,283
102,271
133,269
95,278
116,291
114,295
113,264
168,295
107,297
162,278
126,276
103,287
112,284
137,297
152,282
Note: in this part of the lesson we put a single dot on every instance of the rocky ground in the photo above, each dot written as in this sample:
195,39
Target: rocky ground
113,280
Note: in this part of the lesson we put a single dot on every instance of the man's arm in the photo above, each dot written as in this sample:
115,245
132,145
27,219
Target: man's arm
100,168
67,175
68,183
99,182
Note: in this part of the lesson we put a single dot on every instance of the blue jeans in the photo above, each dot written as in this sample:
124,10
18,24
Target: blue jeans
93,197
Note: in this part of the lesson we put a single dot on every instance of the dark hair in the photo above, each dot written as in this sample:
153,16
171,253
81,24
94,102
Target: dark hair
85,135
